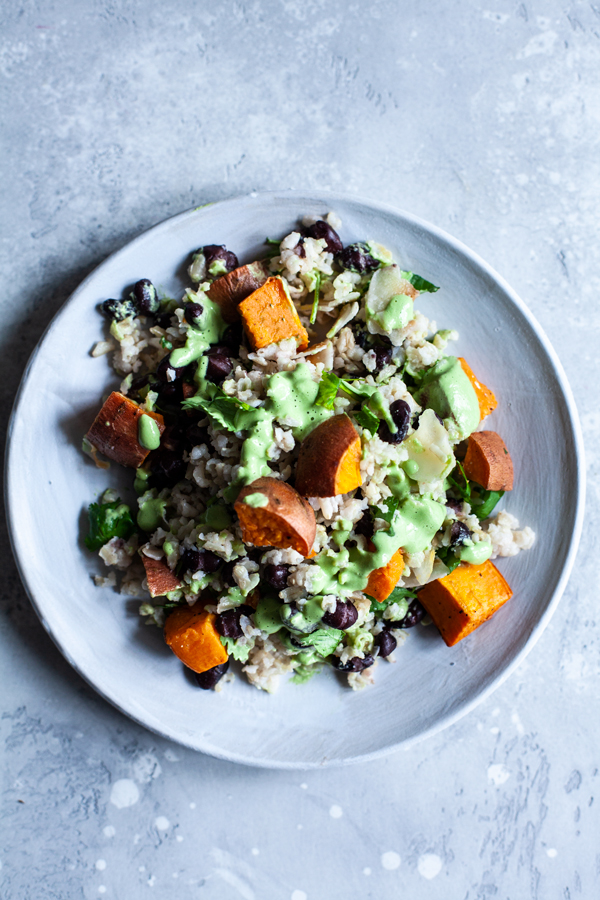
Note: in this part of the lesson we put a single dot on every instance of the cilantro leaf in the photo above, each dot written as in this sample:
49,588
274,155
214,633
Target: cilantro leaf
387,514
397,595
485,503
328,388
447,556
323,641
240,652
366,419
420,284
108,520
463,490
222,408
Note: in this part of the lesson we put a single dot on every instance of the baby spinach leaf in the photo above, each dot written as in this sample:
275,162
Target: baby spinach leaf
366,419
485,503
108,520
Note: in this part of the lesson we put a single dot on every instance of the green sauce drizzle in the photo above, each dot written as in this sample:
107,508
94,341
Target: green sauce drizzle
148,432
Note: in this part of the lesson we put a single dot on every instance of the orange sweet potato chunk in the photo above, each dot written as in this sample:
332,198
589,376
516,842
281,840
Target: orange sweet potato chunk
159,576
486,397
488,463
114,431
285,519
329,460
229,290
382,581
193,638
269,315
461,601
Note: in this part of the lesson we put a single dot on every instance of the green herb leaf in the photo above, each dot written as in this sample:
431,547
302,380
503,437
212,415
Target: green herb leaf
420,284
485,503
108,520
328,388
355,390
315,306
397,595
323,641
447,556
464,490
366,419
222,408
387,514
240,652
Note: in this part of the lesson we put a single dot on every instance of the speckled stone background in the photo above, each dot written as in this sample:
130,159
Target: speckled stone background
481,118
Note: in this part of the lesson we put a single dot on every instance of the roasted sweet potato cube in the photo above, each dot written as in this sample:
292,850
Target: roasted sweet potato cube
273,514
382,581
159,576
191,634
329,460
115,430
487,462
269,315
461,601
229,290
486,398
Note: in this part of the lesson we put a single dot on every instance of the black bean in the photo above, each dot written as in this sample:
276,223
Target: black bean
192,312
414,614
167,468
138,383
324,232
196,435
386,642
383,357
219,365
459,533
118,309
228,623
232,339
276,576
196,560
145,297
456,505
356,664
364,526
164,320
299,249
167,373
217,258
344,616
207,680
400,413
357,258
361,336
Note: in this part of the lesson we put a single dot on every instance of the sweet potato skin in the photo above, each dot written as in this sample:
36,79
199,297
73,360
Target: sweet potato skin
287,520
486,397
382,581
191,634
488,463
461,601
329,460
159,576
114,431
269,316
229,290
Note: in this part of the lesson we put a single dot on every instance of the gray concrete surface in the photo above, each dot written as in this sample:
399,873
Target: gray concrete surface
480,117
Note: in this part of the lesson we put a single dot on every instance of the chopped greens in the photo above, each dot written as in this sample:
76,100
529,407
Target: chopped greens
446,555
315,306
328,388
397,595
222,408
323,641
366,419
108,520
420,284
485,503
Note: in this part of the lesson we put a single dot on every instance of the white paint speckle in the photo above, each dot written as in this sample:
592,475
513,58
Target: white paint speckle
429,865
336,812
390,860
141,868
298,895
124,792
101,888
541,43
146,767
171,756
136,839
498,774
516,720
108,831
500,18
552,852
299,827
304,786
179,838
192,806
162,823
366,871
255,851
496,711
495,730
101,865
152,881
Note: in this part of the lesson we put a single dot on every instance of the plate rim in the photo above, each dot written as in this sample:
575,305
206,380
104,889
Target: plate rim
447,719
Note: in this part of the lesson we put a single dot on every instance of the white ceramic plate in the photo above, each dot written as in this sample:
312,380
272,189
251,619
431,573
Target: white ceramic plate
50,482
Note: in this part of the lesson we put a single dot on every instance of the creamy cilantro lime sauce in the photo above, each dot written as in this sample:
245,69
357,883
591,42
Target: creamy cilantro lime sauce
148,432
474,552
447,390
397,314
216,517
413,527
292,396
151,513
267,616
256,500
207,329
